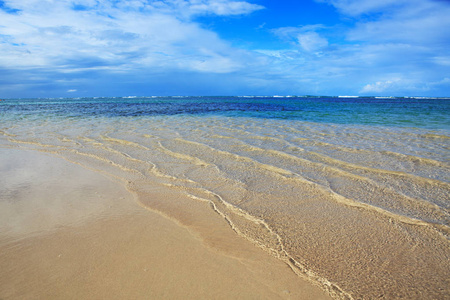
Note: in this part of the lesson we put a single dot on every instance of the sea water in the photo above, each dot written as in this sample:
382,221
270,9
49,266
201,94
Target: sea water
352,193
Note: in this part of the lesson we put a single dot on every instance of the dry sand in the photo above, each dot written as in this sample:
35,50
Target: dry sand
70,233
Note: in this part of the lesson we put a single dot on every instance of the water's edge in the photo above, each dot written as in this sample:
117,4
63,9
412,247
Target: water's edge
359,206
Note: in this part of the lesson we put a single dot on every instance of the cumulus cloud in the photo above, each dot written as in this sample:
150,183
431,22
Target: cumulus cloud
401,85
385,39
380,86
78,35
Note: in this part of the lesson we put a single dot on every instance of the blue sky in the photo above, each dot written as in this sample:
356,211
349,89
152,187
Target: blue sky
73,48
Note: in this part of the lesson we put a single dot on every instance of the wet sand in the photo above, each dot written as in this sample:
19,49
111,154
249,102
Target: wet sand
70,233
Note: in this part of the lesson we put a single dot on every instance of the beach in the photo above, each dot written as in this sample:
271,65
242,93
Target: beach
69,233
293,198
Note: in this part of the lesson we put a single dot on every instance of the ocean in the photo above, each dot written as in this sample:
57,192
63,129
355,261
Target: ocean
352,193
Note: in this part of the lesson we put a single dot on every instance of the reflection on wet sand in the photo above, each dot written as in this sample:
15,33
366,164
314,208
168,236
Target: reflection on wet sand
70,233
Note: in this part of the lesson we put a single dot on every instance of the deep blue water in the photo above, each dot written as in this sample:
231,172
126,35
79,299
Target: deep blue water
403,112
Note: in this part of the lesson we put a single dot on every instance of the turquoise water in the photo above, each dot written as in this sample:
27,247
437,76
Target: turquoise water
351,193
404,112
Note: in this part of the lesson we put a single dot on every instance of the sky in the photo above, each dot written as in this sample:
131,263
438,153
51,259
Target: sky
87,48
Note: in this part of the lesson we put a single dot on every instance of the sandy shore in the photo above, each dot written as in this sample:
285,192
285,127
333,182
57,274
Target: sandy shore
70,233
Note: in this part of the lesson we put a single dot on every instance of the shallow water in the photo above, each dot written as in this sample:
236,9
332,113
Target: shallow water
69,233
351,193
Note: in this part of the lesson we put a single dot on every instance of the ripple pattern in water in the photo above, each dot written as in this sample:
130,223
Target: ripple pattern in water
361,209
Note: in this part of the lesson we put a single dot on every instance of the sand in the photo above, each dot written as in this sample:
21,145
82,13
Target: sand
70,233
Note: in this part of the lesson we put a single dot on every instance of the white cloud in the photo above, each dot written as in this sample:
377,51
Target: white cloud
388,46
400,85
311,41
358,7
291,32
222,7
380,86
384,46
424,25
306,37
442,60
398,21
108,35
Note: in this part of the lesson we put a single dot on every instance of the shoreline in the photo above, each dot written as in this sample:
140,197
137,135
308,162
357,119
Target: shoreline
95,241
334,203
